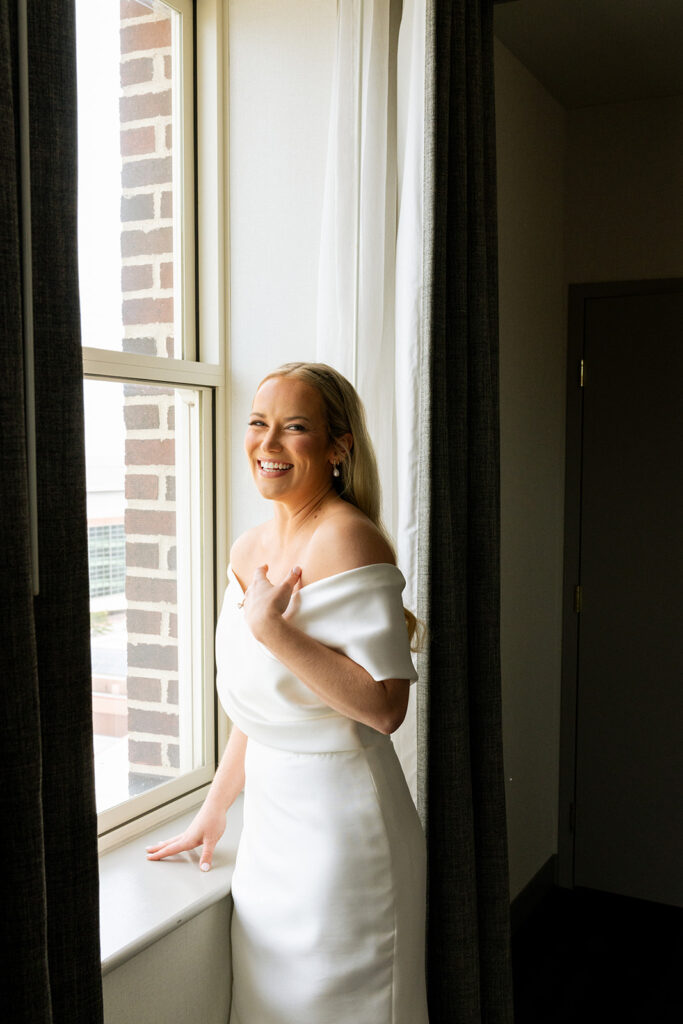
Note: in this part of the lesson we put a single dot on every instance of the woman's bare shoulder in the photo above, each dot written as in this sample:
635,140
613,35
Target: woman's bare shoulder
245,551
344,540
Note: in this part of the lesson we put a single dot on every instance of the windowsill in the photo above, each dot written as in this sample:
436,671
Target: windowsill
141,900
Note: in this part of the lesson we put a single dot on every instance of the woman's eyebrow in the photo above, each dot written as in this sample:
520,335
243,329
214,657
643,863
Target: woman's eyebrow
287,418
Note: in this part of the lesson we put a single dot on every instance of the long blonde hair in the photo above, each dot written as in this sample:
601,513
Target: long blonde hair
358,480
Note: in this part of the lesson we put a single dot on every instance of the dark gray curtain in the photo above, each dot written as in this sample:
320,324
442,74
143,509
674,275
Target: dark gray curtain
49,953
459,713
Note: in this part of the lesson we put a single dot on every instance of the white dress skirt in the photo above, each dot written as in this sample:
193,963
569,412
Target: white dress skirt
329,884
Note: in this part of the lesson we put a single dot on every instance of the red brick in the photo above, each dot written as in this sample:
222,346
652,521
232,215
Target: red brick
170,348
145,105
158,722
155,171
133,9
147,311
168,66
144,753
166,206
136,141
170,488
172,692
170,417
166,280
173,752
169,136
142,486
150,589
146,243
171,558
142,346
140,688
141,417
154,656
150,522
147,35
139,207
135,71
150,453
173,626
136,278
139,621
142,556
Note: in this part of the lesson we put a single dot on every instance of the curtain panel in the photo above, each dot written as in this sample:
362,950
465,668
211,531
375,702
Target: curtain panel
50,959
370,270
461,784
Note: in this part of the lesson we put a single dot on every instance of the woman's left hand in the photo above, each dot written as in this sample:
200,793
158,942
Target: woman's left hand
265,604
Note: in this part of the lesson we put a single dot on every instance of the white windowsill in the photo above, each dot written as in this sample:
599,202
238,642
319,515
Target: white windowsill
141,900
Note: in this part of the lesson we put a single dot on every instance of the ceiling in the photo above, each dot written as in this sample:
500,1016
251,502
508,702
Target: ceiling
588,52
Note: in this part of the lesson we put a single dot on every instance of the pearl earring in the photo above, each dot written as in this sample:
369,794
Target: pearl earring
335,470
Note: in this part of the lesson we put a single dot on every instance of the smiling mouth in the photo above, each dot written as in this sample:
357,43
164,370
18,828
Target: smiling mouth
273,467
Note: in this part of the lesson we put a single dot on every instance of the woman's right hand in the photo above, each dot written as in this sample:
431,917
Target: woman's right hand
205,830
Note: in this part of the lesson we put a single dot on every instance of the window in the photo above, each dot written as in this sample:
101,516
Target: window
107,558
153,405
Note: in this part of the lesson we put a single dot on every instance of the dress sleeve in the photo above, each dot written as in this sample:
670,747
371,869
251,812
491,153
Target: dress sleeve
360,613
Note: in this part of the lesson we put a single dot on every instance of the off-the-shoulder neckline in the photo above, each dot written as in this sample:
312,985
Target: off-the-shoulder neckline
327,579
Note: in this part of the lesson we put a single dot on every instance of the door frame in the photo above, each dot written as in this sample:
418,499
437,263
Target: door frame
571,619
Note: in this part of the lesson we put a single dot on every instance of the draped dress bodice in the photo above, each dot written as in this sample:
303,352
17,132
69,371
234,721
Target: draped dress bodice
358,612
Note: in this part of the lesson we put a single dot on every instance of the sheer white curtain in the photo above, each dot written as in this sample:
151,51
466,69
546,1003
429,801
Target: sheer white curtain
370,272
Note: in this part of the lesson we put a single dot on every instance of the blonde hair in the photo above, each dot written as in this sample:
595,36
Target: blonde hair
358,480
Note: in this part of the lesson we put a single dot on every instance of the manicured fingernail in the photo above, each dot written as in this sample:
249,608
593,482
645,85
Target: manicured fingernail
205,867
297,570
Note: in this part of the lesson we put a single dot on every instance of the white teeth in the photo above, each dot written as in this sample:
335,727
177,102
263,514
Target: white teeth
275,465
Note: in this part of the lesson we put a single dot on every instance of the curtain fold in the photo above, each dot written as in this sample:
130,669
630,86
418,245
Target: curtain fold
370,271
408,337
355,314
50,963
461,784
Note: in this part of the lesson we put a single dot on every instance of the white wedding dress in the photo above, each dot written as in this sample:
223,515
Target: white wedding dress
329,885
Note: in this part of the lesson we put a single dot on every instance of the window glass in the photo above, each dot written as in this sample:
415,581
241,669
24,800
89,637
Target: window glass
133,159
142,464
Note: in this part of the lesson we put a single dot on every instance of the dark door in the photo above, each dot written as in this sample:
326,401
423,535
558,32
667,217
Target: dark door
629,702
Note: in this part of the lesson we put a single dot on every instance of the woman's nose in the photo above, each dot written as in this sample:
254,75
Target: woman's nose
271,441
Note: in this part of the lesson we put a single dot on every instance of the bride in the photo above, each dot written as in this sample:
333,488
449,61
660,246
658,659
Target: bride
314,669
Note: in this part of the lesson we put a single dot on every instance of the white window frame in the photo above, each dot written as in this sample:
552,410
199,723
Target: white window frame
207,201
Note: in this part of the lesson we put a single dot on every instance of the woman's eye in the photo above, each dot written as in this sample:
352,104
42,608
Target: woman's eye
256,423
296,426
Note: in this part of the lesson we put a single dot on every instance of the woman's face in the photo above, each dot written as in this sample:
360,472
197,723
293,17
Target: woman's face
287,441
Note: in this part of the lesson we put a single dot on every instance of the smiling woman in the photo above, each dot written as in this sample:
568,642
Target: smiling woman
314,669
288,437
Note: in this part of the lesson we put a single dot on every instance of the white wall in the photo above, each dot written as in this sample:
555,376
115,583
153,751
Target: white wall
625,198
281,60
184,976
531,134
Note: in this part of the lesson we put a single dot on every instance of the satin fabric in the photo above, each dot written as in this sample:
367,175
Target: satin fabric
329,884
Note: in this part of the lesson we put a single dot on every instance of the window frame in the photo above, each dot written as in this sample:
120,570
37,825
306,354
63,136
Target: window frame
204,261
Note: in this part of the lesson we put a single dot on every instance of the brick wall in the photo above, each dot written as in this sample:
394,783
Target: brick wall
146,198
147,302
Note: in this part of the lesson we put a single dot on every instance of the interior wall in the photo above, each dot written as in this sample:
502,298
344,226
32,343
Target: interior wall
281,59
624,195
531,151
584,195
184,976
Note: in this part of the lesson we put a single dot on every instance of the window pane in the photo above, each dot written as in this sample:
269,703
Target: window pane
142,458
130,77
